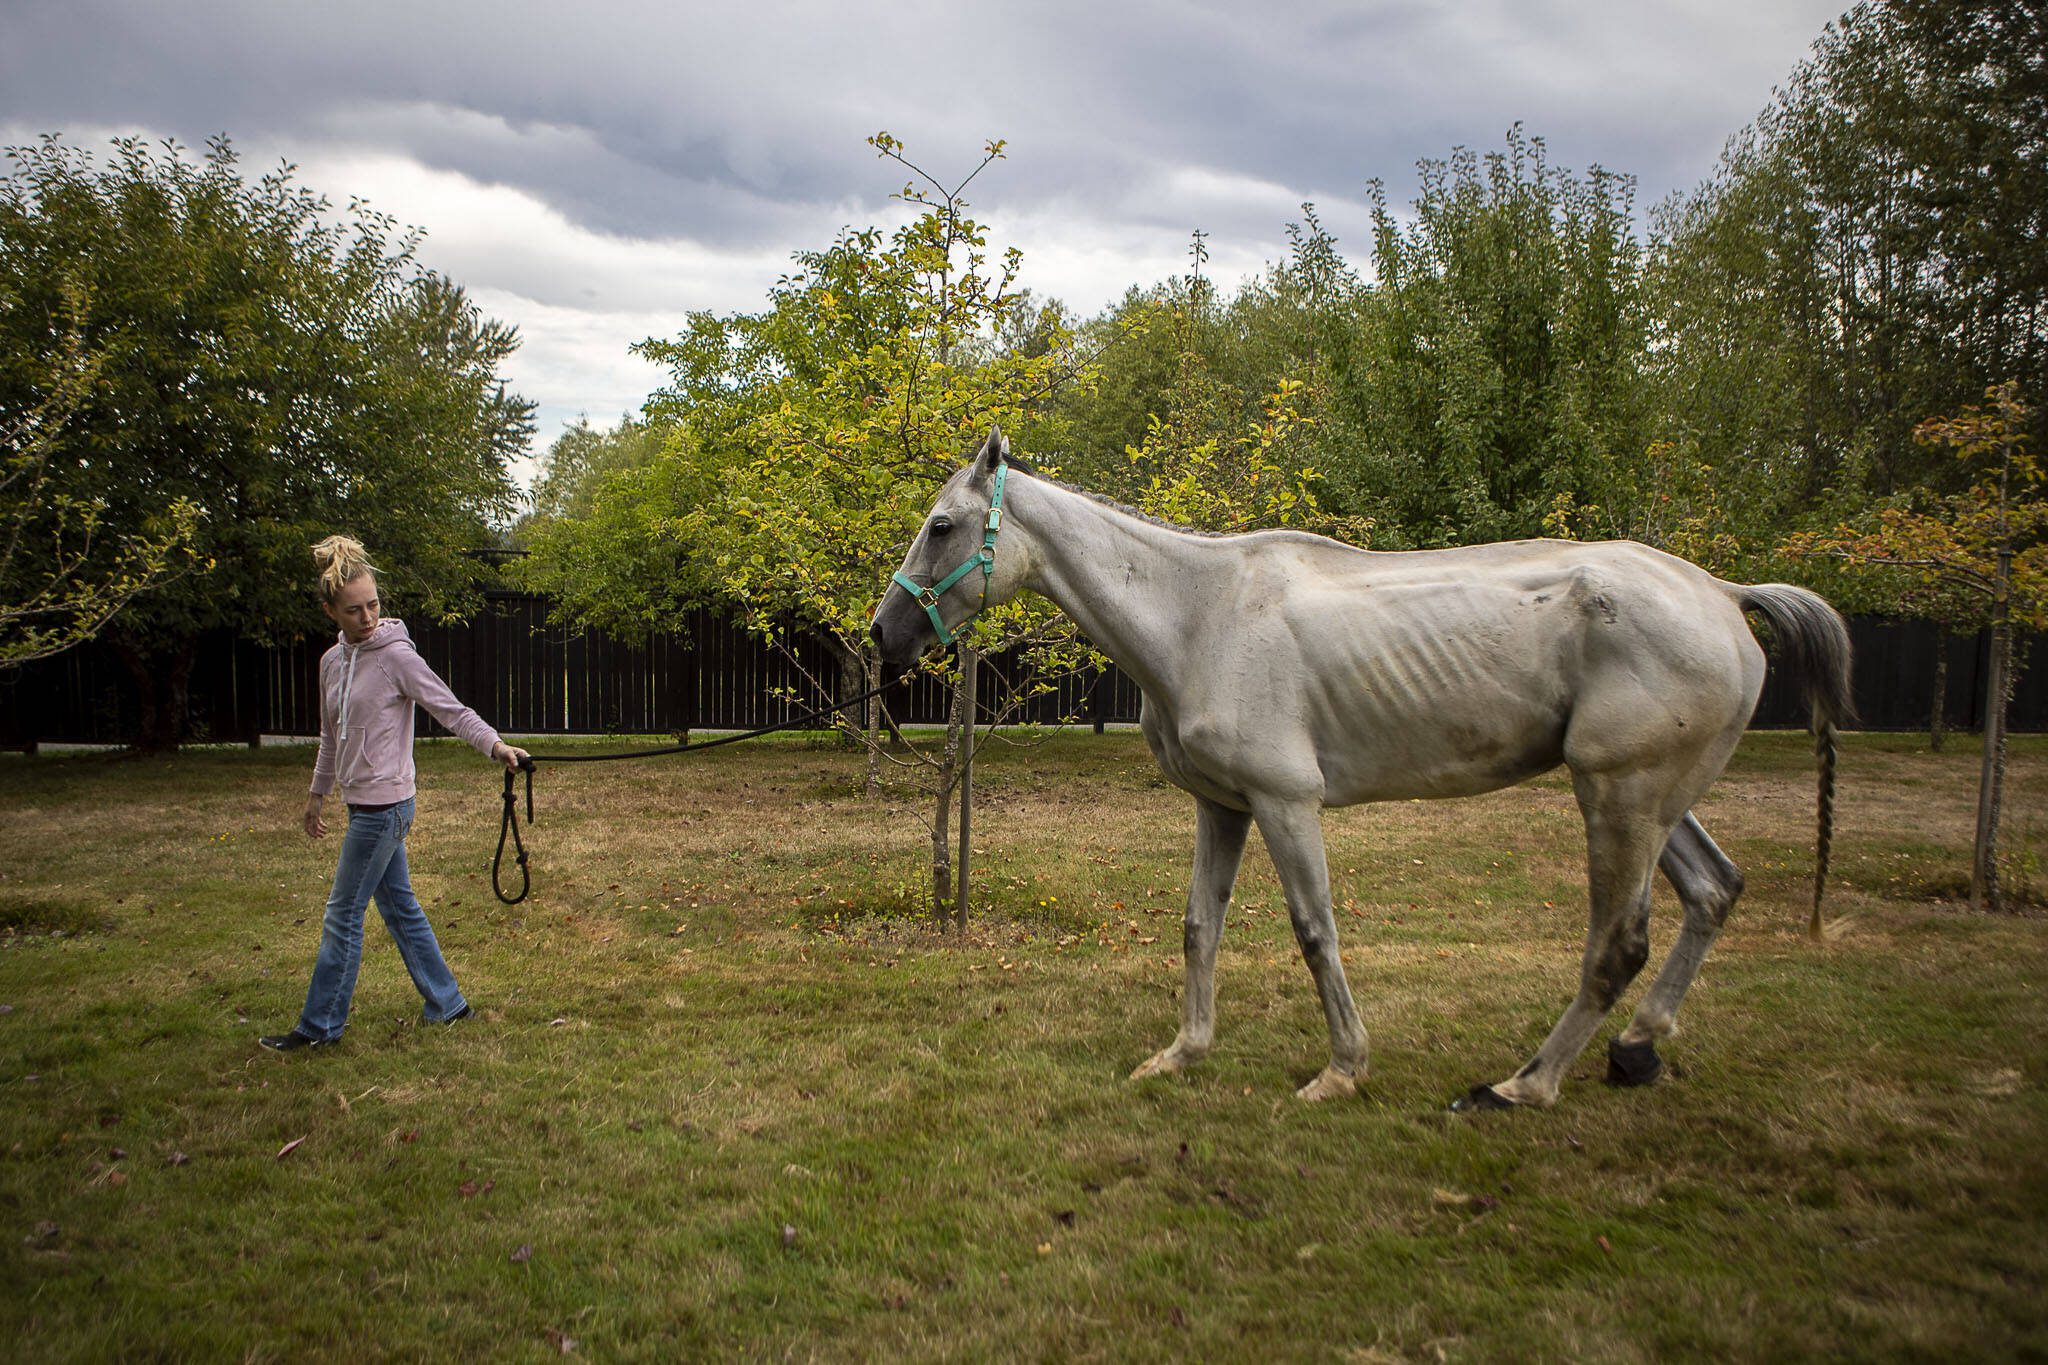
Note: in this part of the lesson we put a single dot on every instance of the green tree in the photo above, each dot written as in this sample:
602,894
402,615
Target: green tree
1201,462
1497,356
805,441
280,374
606,539
1868,251
580,459
1983,551
1160,344
61,577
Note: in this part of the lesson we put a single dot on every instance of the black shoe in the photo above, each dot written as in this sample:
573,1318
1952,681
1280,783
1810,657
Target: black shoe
292,1042
459,1015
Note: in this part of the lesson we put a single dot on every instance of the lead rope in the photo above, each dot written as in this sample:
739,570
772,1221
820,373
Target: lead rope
508,823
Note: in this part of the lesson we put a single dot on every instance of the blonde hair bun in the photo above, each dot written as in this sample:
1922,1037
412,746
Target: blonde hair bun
340,560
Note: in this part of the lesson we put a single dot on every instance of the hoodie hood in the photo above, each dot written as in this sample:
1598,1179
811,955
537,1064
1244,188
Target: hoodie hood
390,631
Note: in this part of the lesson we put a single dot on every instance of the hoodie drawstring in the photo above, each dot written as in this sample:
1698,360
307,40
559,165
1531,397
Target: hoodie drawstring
348,678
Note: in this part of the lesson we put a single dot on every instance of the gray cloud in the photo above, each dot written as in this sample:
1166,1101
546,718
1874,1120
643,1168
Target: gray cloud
714,140
708,121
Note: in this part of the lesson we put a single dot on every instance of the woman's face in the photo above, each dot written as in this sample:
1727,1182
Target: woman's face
355,608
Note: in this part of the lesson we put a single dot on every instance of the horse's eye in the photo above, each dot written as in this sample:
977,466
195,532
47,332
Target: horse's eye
941,527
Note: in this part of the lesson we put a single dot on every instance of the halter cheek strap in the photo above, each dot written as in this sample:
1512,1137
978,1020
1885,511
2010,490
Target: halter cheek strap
984,559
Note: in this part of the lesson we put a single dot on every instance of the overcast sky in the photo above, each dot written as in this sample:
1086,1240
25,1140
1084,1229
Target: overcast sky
592,172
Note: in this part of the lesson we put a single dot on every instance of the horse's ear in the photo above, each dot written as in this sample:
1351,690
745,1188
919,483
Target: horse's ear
993,451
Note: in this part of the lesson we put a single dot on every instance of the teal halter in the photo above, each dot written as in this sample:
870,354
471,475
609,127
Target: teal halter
984,558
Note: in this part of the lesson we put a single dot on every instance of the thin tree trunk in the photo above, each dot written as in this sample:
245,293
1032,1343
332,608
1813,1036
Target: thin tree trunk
942,815
970,674
849,684
1984,891
1937,723
871,722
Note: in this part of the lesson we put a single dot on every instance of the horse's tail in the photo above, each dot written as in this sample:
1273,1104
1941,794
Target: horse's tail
1813,643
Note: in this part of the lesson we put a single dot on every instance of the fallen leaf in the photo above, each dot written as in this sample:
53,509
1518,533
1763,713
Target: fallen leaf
117,1178
179,1158
1604,1246
1045,1248
1065,1218
289,1148
522,1255
788,1236
561,1341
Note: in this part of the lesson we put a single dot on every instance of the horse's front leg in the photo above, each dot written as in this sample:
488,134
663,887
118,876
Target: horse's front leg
1219,848
1294,836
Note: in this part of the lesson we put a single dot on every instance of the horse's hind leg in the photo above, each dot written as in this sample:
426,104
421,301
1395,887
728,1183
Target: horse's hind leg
1219,848
1707,885
1624,832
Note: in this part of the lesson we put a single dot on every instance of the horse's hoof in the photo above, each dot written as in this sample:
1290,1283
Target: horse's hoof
1332,1084
1480,1098
1159,1064
1633,1063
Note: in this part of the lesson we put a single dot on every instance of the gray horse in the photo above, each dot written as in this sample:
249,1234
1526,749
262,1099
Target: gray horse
1284,672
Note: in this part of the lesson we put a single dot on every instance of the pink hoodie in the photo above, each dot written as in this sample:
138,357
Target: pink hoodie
367,693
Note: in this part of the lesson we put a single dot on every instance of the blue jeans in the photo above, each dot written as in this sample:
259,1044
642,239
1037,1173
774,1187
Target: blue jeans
373,864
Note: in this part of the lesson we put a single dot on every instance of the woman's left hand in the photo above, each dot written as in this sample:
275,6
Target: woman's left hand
508,755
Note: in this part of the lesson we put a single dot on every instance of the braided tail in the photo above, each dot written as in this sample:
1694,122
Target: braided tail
1813,645
1824,750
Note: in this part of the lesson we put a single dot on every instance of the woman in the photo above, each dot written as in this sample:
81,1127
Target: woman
369,682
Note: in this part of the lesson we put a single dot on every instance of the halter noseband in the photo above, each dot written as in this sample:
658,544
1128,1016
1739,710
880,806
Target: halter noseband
985,558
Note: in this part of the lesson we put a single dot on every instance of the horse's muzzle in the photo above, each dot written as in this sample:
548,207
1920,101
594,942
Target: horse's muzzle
896,642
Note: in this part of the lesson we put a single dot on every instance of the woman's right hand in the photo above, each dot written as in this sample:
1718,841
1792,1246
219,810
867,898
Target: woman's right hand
315,827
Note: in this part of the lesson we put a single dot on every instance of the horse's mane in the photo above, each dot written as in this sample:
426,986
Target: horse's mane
1024,466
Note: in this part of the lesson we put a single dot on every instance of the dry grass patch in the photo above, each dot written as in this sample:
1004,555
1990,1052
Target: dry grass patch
726,1095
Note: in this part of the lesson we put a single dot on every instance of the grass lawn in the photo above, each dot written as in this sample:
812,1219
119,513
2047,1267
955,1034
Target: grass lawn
725,1095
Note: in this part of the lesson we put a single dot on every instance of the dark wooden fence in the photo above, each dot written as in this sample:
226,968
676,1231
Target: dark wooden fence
521,674
529,678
